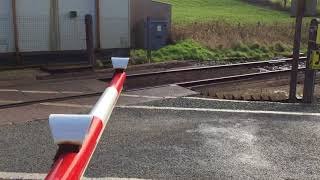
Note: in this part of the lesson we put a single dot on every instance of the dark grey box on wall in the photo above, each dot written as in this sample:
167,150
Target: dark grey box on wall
157,34
140,11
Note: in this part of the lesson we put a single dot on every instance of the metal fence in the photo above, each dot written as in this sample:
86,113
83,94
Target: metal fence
6,38
40,33
35,34
115,32
72,33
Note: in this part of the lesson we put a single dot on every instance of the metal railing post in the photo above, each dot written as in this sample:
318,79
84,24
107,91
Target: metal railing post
310,73
296,51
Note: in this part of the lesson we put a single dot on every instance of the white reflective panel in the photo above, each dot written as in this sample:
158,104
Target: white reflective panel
69,129
119,63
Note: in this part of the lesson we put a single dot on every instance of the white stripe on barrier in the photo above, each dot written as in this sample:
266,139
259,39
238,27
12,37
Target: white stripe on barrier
221,110
105,104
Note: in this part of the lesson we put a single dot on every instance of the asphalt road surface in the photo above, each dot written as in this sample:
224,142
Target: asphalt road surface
173,143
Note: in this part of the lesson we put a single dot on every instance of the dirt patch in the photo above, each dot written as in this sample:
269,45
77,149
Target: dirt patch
275,89
219,34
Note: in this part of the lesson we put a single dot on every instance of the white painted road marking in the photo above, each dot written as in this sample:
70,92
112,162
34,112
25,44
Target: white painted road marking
90,106
67,105
50,92
36,176
138,96
9,90
9,101
221,110
71,92
41,92
190,109
240,101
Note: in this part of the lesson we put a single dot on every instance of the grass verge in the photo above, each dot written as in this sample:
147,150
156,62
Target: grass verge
191,50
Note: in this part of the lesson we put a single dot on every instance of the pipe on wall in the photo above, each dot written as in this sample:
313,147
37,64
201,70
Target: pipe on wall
97,4
54,26
15,31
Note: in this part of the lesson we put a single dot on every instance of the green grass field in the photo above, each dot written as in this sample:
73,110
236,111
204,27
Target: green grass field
185,11
225,29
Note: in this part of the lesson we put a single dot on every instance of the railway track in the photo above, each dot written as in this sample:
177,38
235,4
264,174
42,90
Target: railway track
230,79
159,78
186,77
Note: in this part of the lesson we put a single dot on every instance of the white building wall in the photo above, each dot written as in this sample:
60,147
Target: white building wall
114,24
33,21
6,27
35,33
72,30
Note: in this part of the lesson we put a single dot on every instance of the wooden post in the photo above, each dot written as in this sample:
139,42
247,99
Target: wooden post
296,51
89,40
15,32
98,44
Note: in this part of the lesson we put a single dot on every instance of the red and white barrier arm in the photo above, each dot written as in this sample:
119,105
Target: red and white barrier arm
78,135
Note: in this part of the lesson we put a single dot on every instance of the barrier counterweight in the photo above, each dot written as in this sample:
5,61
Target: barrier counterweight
78,135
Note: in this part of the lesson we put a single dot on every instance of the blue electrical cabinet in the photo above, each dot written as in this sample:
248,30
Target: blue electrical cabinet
157,33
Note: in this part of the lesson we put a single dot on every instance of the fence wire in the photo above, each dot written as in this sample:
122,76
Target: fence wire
6,34
72,33
34,33
115,32
39,33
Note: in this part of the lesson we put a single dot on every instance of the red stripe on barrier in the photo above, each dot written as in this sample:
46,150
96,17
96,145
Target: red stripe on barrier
118,80
72,165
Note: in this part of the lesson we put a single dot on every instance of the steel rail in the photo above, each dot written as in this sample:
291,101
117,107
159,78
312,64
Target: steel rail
206,82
